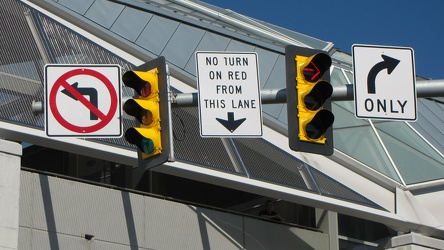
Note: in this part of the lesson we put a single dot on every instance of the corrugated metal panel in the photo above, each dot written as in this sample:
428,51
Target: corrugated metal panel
314,42
216,222
27,186
66,207
194,228
266,162
335,189
182,44
235,45
21,76
24,239
21,66
44,240
104,12
209,42
189,146
276,80
267,62
156,34
272,238
138,20
80,6
121,220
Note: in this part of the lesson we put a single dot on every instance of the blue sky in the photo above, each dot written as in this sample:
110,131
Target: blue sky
416,24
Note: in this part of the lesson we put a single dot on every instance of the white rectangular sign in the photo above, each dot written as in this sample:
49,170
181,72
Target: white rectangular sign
82,100
229,94
384,79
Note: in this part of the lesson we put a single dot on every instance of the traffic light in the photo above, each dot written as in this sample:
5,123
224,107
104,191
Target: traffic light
150,107
309,90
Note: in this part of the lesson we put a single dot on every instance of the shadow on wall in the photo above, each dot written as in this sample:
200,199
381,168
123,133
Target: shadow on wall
251,233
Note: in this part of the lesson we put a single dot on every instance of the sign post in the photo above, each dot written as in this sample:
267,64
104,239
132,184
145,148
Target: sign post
229,94
384,79
82,100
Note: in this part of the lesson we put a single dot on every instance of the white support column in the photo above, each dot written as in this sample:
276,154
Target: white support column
327,222
10,155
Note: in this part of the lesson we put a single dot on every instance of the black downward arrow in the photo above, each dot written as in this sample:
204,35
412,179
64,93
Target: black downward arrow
91,92
231,124
389,63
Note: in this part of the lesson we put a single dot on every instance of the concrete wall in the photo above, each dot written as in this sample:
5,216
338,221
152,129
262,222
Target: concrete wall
10,154
62,214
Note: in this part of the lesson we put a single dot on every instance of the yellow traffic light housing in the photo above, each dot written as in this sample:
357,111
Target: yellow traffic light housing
151,110
145,83
308,100
147,137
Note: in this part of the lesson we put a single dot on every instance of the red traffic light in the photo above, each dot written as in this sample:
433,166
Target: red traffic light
319,64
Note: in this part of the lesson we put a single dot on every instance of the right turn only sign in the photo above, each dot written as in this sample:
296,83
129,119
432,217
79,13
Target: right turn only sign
384,82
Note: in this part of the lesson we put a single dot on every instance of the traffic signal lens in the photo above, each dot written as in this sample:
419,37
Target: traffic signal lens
146,139
312,101
319,124
143,82
146,117
146,90
316,98
318,64
312,73
147,145
145,111
313,131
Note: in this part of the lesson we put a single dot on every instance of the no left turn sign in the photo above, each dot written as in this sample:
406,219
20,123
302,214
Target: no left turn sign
82,100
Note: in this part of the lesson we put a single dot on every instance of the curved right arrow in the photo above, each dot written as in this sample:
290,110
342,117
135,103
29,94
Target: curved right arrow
389,63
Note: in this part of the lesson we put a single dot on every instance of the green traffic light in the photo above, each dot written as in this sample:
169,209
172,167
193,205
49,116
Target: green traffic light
147,145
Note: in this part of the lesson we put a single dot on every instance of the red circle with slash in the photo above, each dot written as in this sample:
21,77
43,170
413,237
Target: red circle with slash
62,82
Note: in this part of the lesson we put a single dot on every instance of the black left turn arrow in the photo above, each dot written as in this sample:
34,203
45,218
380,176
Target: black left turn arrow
91,92
389,63
231,124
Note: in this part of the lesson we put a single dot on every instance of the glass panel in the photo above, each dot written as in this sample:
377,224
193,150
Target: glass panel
414,158
356,138
349,76
348,105
346,116
337,78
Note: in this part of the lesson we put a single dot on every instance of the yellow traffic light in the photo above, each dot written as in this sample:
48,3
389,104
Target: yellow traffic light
150,108
308,100
312,94
146,84
147,137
